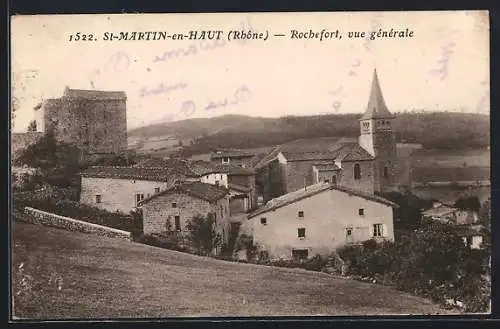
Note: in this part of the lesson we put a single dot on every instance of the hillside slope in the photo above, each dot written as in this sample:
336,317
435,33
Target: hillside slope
71,275
441,130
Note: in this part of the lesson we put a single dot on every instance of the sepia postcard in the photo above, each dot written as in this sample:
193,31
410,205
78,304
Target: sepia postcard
250,165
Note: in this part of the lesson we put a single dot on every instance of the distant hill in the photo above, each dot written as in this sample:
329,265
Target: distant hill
436,130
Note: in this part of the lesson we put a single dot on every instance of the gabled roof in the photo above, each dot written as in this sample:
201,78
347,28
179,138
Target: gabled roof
94,94
231,153
322,148
353,152
312,190
203,191
202,168
376,108
150,174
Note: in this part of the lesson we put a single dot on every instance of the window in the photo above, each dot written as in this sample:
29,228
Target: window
377,230
334,180
300,253
327,181
138,198
174,205
301,232
361,211
348,232
97,198
357,171
157,190
263,220
225,160
386,172
301,214
177,223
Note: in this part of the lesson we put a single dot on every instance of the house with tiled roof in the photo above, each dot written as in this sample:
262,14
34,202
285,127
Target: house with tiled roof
238,157
319,218
367,165
122,188
172,209
240,181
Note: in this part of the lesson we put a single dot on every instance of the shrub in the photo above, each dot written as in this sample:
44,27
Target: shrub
202,235
431,262
166,240
55,201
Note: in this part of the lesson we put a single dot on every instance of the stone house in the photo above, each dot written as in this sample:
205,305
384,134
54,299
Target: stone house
318,219
173,208
240,181
122,188
367,165
95,121
237,157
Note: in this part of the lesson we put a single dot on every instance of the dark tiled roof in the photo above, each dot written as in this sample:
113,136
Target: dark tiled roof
311,190
239,188
150,174
178,165
94,94
207,192
151,163
323,148
232,169
204,168
231,153
353,152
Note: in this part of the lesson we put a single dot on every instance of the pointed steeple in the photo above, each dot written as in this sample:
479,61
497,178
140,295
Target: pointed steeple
376,109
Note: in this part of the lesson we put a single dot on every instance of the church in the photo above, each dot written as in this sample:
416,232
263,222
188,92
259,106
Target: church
321,194
367,165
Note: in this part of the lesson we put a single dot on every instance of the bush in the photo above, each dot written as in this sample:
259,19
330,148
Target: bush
431,262
55,201
166,240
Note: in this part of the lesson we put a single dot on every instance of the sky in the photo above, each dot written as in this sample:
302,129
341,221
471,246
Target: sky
444,66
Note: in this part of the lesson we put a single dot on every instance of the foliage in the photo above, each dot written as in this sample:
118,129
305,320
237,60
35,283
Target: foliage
202,235
470,203
227,250
32,126
431,261
58,162
408,214
55,200
165,240
245,242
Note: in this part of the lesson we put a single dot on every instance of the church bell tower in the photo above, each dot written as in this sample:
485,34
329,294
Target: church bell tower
378,139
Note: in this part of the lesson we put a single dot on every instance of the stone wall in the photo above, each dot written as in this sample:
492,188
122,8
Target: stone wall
39,217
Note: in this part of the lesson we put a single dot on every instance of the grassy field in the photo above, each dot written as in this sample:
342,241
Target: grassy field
59,274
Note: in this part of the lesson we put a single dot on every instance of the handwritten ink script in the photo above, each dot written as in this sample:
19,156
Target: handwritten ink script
442,70
161,88
189,107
